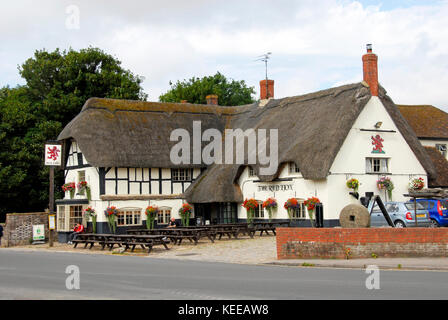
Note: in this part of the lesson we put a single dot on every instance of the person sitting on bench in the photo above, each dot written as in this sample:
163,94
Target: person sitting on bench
172,223
79,228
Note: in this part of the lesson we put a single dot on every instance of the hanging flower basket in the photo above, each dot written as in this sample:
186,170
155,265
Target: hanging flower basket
291,205
310,204
416,184
185,213
353,184
151,215
270,205
83,187
111,214
90,213
384,183
250,205
71,187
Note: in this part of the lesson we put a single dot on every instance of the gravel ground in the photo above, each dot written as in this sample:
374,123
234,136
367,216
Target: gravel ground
242,250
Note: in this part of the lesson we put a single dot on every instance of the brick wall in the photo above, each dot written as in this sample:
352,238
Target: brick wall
297,243
18,229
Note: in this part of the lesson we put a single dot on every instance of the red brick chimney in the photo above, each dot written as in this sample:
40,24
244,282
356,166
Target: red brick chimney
370,70
212,99
266,91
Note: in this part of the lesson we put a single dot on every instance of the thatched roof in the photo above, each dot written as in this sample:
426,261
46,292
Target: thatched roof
123,133
427,121
441,166
311,130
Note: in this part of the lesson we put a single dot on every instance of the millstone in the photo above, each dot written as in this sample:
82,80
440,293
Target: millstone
354,216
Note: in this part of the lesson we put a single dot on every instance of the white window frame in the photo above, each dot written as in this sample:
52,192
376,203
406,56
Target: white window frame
251,172
259,211
293,168
164,215
301,213
181,175
129,217
64,220
377,165
441,147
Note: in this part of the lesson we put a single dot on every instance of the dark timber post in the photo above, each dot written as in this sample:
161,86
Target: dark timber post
51,203
53,158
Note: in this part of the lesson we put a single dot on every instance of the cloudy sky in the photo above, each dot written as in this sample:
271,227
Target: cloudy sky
315,44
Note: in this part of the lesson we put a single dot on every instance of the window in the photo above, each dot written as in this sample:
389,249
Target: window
293,168
81,176
129,217
377,165
300,213
75,216
227,213
259,211
164,216
181,174
442,149
251,172
61,217
410,206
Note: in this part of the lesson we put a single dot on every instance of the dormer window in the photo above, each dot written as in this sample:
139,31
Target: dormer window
442,149
251,172
293,168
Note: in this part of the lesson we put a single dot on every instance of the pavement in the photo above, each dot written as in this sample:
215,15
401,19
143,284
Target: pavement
256,251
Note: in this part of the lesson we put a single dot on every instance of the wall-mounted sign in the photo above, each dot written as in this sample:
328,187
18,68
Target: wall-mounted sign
53,154
275,188
377,142
38,232
51,222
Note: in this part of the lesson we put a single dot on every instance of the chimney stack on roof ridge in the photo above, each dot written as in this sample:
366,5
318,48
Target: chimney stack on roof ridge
266,89
370,70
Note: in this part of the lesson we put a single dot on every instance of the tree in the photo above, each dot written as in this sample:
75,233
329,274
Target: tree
194,90
57,85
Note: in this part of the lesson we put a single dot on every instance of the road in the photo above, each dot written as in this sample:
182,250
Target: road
41,275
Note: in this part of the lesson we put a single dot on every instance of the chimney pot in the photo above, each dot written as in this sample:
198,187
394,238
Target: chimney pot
266,89
212,99
370,70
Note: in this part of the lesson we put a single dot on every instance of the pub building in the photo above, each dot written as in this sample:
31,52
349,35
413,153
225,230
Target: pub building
122,149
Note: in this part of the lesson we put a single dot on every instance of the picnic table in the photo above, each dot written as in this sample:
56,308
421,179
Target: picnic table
265,226
176,235
127,240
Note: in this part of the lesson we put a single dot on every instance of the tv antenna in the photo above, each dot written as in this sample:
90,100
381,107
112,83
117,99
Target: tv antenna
265,57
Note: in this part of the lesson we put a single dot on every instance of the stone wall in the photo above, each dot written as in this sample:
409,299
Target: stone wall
298,243
19,227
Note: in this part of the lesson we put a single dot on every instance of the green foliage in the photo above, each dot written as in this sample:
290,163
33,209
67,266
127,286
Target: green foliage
57,85
194,90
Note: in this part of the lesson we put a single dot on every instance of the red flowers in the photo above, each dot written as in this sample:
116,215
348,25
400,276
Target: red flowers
186,209
310,203
250,204
111,211
270,203
152,211
291,203
69,186
82,184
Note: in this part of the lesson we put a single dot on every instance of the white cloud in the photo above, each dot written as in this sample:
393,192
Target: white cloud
315,45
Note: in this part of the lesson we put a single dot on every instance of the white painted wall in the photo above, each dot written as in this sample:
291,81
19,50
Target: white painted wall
349,163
